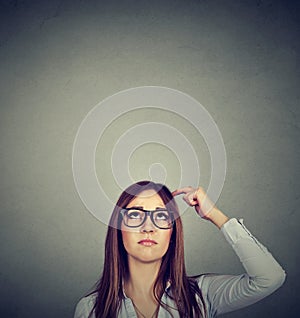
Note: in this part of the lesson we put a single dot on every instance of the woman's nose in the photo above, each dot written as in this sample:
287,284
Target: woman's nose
148,226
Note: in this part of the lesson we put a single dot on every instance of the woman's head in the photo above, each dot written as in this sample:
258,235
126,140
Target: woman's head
124,241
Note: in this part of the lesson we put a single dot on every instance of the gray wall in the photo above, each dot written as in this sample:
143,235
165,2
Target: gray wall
240,59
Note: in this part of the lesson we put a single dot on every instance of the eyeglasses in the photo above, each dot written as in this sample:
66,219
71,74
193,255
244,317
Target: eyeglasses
134,217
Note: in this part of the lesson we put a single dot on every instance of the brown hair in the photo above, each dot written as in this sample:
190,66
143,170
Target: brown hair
185,291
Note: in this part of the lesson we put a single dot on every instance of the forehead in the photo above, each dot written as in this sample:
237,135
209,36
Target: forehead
147,197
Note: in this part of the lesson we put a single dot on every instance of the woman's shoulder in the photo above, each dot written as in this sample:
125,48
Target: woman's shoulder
85,305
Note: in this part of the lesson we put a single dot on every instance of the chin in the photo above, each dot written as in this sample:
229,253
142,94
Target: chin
148,259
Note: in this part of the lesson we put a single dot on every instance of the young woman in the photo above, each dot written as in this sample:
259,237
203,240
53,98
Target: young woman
144,272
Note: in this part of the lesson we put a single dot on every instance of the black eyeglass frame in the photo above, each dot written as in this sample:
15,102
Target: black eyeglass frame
148,213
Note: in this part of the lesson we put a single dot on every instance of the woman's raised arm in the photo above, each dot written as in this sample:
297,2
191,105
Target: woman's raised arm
263,275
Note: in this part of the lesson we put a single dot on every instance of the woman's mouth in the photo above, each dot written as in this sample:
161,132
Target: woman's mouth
147,242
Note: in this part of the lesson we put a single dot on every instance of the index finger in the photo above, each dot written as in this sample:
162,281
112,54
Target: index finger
183,190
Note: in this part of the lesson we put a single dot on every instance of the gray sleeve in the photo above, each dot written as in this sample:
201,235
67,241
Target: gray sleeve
263,275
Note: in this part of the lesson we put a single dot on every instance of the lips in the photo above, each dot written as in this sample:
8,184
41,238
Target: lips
147,242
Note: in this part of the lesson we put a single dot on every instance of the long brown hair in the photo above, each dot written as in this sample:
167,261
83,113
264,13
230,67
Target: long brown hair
185,291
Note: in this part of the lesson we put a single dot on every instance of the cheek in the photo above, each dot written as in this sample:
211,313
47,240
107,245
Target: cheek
125,238
128,238
167,238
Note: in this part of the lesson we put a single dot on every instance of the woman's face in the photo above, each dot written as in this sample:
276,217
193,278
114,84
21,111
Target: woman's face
146,243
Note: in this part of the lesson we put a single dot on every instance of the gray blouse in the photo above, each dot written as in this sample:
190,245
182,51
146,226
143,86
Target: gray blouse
221,293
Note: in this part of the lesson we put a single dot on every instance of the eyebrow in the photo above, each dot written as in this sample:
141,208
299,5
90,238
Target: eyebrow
141,207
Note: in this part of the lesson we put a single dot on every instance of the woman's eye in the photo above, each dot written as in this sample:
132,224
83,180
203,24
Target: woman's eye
134,215
162,216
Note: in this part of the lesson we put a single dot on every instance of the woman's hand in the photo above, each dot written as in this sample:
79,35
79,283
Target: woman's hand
196,198
203,205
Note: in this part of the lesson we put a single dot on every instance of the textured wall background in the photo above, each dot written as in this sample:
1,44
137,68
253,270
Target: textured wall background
240,59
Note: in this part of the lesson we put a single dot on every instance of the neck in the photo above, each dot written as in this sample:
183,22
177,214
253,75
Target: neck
142,277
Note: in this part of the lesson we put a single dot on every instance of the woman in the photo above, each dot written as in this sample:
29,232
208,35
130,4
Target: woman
144,272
